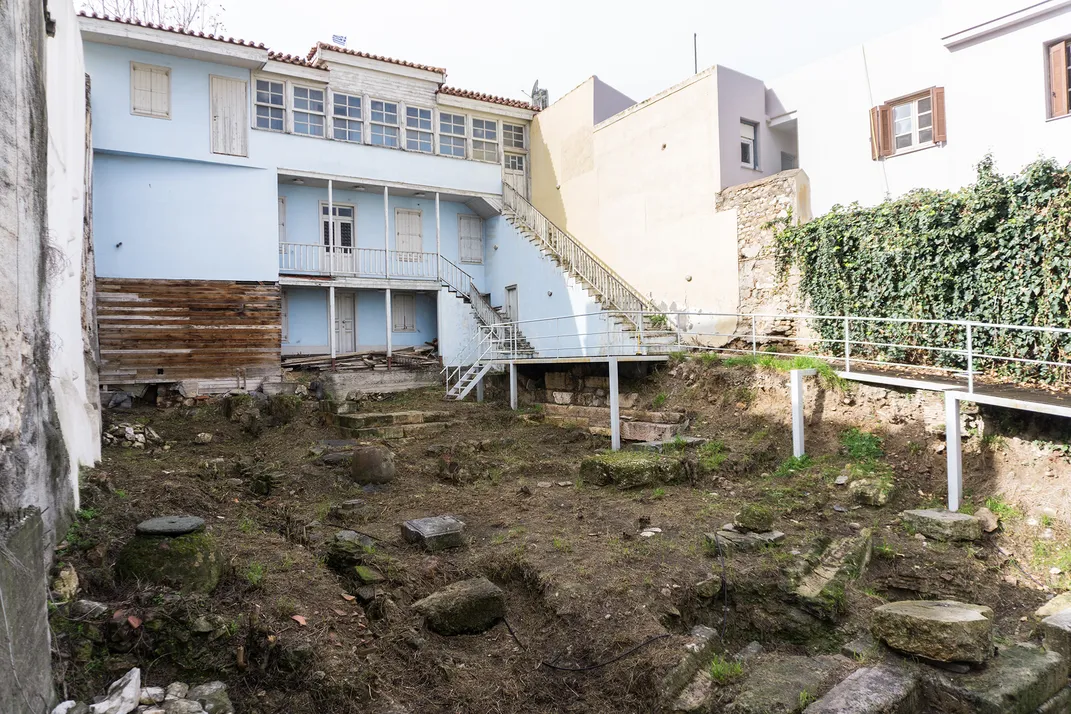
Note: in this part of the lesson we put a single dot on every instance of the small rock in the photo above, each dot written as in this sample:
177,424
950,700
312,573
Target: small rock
212,697
990,521
203,438
544,484
152,695
871,690
871,492
66,583
372,465
181,706
565,484
122,696
943,525
749,652
435,533
709,588
176,690
465,607
88,609
754,518
841,480
1058,604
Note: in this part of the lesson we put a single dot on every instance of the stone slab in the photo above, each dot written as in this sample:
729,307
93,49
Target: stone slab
1018,681
777,684
667,444
943,525
1055,606
942,630
872,690
734,540
435,533
1059,704
170,526
1056,633
648,431
820,590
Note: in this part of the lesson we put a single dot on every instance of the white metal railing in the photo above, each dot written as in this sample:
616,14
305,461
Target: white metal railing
577,258
959,349
318,259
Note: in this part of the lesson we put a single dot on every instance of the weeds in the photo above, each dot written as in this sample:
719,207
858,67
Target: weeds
724,670
793,465
659,400
861,445
1003,510
712,455
562,546
884,550
246,525
787,363
254,574
658,493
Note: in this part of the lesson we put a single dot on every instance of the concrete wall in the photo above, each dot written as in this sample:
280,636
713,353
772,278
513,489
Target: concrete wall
72,319
996,96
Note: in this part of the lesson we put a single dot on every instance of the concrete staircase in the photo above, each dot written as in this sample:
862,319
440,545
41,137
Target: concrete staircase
636,424
355,424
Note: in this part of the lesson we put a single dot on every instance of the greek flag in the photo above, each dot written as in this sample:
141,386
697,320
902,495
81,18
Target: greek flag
339,40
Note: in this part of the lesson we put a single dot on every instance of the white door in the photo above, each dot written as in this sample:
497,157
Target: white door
408,234
229,110
345,322
338,236
512,311
515,174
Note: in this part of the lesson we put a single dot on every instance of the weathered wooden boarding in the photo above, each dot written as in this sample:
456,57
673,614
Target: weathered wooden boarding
222,333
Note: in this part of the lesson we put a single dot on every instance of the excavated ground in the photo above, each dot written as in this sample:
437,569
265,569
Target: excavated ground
582,585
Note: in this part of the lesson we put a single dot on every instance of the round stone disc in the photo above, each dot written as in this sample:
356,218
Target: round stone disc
170,526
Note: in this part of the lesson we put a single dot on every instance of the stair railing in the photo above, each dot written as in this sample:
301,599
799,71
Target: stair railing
576,258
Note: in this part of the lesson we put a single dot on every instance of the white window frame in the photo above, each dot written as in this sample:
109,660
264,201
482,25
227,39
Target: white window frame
151,70
514,148
463,136
294,111
335,205
915,116
462,255
372,123
510,155
398,311
417,130
349,120
495,142
751,142
256,103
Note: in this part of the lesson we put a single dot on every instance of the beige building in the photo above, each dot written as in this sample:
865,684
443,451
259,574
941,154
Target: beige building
638,183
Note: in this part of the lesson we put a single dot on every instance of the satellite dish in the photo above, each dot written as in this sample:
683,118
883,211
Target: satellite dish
535,89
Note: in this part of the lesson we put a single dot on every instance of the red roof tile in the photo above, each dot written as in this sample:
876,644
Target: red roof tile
176,30
517,103
296,59
335,48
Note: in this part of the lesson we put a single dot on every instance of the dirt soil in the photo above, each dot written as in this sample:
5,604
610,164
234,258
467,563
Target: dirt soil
583,587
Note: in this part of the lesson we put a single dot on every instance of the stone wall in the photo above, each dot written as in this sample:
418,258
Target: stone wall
760,206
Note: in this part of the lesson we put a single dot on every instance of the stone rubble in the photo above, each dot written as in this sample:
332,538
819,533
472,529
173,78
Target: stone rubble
127,696
131,436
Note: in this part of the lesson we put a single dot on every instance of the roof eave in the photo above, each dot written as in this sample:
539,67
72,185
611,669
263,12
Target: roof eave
163,41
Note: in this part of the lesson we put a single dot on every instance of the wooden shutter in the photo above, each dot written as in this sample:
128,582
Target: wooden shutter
1058,79
881,132
937,104
470,229
408,236
403,312
229,122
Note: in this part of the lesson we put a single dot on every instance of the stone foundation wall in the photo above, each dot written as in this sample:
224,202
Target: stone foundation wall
761,207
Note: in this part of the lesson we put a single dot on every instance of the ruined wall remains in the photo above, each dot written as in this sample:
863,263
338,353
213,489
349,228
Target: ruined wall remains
760,208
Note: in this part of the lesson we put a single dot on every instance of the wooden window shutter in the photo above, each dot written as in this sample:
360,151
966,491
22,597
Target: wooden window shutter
875,133
881,132
1058,79
937,104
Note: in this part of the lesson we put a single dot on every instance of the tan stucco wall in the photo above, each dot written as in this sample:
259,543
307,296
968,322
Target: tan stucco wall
639,190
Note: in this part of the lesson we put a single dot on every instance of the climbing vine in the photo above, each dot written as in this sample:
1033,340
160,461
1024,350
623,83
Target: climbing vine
997,251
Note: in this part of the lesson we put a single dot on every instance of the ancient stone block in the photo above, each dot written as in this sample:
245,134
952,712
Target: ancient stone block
1056,633
942,630
776,685
190,561
1019,680
435,533
871,690
465,607
943,525
372,465
630,469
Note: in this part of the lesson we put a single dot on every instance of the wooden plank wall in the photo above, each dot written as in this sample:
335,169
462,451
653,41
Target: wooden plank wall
158,331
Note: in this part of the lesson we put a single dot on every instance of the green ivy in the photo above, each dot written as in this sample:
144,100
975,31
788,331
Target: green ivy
997,250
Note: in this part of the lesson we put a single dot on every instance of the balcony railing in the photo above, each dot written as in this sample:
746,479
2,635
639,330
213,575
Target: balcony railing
314,259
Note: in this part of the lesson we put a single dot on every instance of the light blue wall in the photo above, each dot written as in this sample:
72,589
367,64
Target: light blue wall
161,218
186,133
307,319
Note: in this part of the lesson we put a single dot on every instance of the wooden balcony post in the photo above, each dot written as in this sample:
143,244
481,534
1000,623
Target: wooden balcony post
331,241
331,321
386,252
390,327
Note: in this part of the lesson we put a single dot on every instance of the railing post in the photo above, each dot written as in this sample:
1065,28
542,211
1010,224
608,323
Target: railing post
330,227
678,330
847,346
970,359
754,338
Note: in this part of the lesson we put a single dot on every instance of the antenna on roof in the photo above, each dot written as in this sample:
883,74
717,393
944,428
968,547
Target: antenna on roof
695,51
540,97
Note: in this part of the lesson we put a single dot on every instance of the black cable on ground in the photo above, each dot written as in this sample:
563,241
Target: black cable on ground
589,667
724,589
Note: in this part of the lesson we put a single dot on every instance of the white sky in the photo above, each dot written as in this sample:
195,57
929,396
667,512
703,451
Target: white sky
502,46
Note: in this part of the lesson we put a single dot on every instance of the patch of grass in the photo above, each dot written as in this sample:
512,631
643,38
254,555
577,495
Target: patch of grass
861,445
914,448
562,546
678,356
247,525
806,699
120,493
884,550
712,455
286,607
659,400
993,442
792,465
87,514
709,357
659,322
724,670
658,493
1046,520
1003,510
254,574
787,363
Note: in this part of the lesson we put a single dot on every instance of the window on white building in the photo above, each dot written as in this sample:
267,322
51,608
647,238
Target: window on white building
403,312
514,162
1059,71
309,112
418,129
452,134
346,117
512,136
912,123
748,153
342,226
150,90
907,123
484,139
384,119
270,105
408,232
470,238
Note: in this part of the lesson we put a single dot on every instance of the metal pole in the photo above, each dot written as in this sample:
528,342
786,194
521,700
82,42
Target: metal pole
954,448
847,347
331,320
615,407
479,390
678,329
390,326
438,236
970,359
796,387
331,226
386,237
513,386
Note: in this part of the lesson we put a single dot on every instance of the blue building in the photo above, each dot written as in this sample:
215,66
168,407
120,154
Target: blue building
249,205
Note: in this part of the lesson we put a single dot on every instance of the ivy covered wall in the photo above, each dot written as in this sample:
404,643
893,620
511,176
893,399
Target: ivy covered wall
995,251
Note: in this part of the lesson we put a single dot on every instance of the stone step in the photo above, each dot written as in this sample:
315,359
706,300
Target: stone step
1021,679
872,690
395,431
600,416
630,430
363,420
